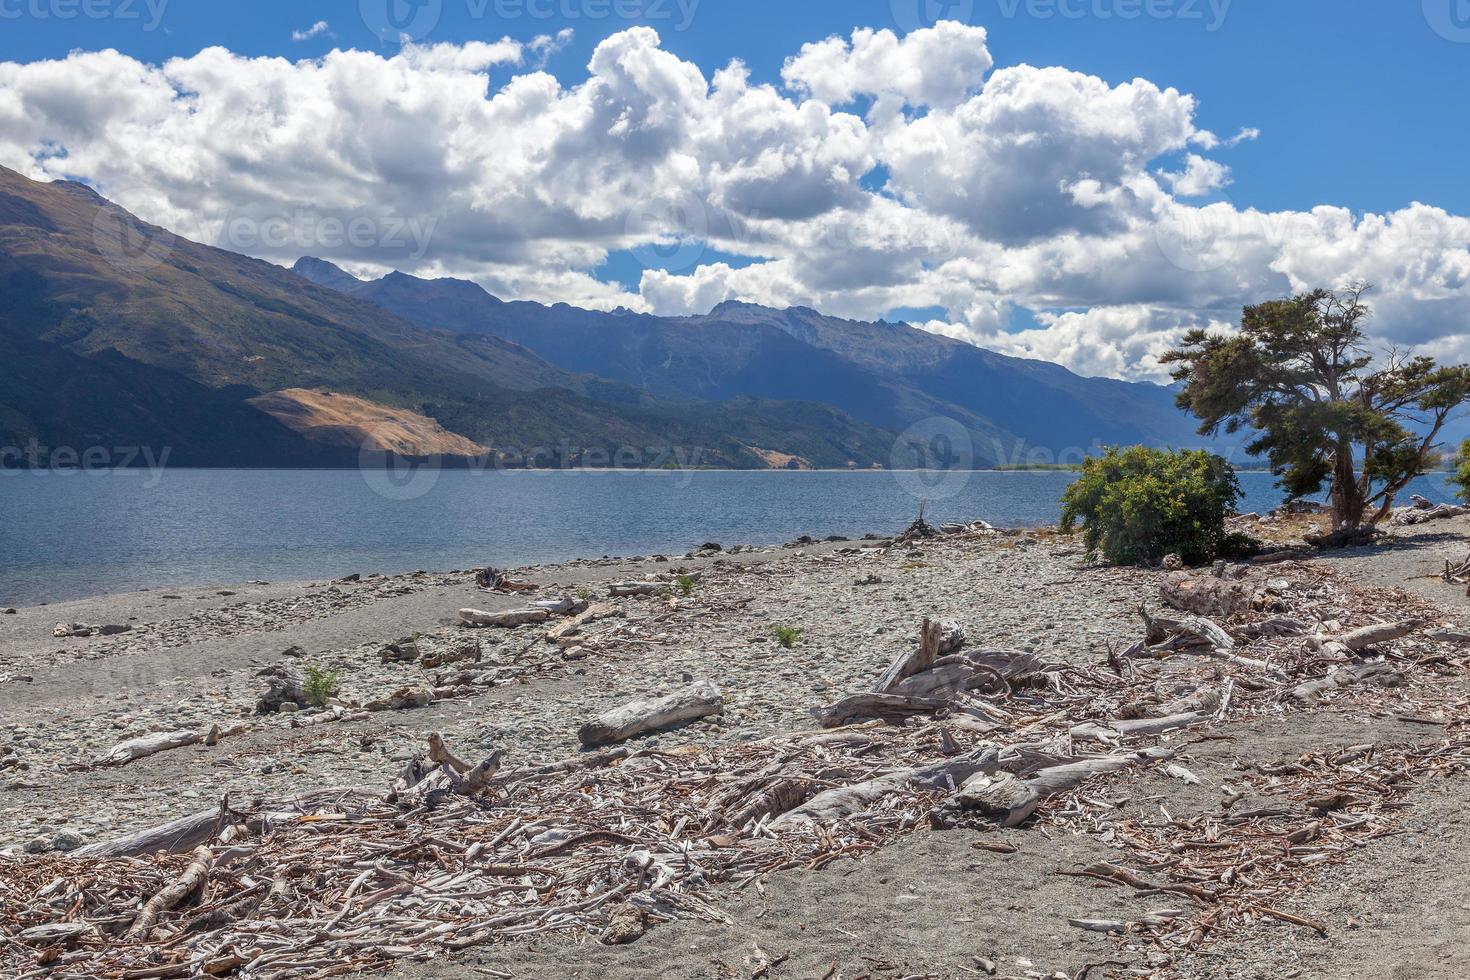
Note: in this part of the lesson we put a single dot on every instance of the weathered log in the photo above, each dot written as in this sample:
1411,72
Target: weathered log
936,640
191,880
476,619
619,590
1450,634
1371,636
844,801
1347,676
1207,595
140,748
699,700
888,707
403,699
1010,801
573,626
1114,729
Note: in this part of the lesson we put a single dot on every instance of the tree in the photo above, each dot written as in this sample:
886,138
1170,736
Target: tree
1139,504
1324,411
1461,477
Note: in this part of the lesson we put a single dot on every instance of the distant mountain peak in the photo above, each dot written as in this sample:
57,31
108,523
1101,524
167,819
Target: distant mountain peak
324,273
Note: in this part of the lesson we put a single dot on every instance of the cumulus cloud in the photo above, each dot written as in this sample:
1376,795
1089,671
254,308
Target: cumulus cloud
879,172
315,30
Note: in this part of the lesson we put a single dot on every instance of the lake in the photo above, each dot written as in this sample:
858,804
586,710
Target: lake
67,535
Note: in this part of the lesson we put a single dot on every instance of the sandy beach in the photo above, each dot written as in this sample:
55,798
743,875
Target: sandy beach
929,905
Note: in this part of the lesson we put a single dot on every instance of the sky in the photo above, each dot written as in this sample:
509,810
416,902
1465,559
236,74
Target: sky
1076,180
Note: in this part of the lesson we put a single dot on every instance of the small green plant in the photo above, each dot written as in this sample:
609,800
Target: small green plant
787,636
1137,505
686,584
1461,476
319,685
585,594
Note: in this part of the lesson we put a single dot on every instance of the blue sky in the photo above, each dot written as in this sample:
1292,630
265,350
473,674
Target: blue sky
1358,101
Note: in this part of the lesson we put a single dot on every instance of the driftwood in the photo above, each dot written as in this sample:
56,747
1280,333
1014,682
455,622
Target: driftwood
140,748
1207,595
1371,636
699,700
936,640
477,619
1114,729
625,589
844,801
192,879
1372,673
1010,800
573,626
888,707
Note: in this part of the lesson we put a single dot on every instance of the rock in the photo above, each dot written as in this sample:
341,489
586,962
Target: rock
625,924
400,652
288,707
403,699
295,653
10,612
63,630
38,845
283,686
710,546
1173,563
67,839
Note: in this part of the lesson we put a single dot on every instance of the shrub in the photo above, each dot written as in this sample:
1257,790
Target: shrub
786,635
686,584
319,685
1137,505
1461,477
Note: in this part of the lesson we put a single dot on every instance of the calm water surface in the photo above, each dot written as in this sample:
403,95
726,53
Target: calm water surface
71,535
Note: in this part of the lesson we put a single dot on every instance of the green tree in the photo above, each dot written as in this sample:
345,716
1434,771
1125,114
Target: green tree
1325,412
1139,504
1461,477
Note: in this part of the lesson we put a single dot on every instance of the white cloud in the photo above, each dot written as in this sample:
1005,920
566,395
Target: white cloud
545,46
315,30
883,172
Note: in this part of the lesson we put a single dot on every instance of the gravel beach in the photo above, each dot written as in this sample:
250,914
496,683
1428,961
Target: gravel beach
928,906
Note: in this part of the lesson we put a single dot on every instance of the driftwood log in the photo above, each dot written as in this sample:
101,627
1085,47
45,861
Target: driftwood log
1207,595
1114,729
1009,800
573,627
698,700
190,881
477,619
1347,676
140,748
844,801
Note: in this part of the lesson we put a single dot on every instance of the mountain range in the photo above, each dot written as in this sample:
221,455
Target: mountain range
117,333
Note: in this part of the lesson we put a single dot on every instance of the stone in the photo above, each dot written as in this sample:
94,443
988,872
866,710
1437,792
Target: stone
67,839
288,706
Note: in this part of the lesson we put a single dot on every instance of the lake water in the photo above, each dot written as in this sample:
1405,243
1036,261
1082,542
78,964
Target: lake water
70,535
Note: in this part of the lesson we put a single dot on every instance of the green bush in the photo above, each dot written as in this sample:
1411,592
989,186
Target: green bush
1461,477
786,635
1137,505
319,685
686,584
